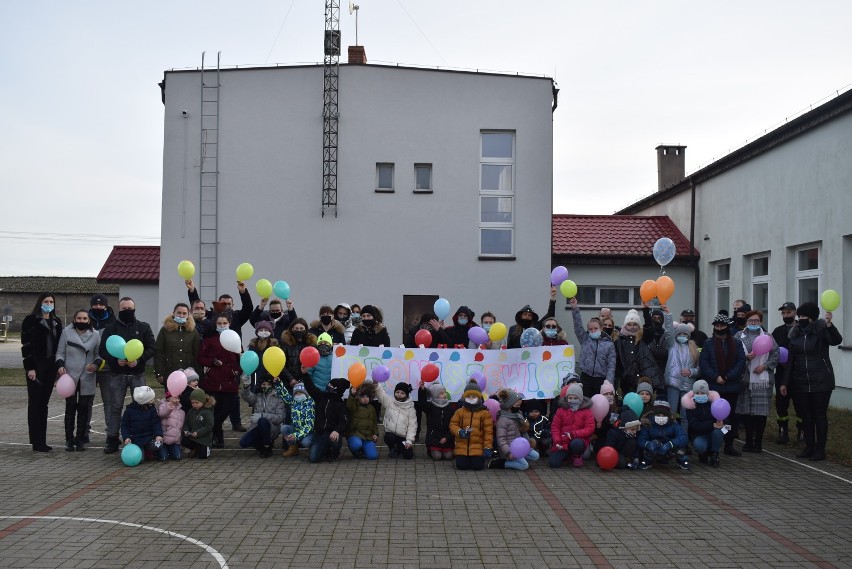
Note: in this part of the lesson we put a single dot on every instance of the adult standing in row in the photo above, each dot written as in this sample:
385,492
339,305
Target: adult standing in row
343,314
781,335
371,331
124,374
77,355
633,359
809,377
101,315
40,333
280,316
177,344
759,382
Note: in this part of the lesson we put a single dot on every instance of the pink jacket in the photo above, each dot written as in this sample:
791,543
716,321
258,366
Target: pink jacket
569,425
172,421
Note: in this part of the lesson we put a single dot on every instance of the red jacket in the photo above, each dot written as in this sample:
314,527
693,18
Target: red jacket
219,378
569,425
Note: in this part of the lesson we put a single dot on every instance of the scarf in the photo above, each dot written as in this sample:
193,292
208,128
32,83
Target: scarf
726,354
756,380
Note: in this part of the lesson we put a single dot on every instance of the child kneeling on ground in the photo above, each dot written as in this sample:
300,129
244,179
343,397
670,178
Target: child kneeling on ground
269,412
172,418
572,427
400,421
362,431
436,405
300,431
140,423
330,423
623,440
662,438
510,426
705,432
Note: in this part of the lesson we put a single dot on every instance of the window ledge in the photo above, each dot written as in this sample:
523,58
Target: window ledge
494,258
385,191
424,191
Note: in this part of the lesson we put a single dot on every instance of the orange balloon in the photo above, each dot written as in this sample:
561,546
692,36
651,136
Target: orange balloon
648,290
665,288
357,374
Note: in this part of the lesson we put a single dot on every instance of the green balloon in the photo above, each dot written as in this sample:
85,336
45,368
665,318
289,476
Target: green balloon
830,300
568,289
634,401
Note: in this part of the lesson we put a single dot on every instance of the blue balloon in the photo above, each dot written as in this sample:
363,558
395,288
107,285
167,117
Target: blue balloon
131,455
249,362
442,308
634,401
664,251
281,290
115,346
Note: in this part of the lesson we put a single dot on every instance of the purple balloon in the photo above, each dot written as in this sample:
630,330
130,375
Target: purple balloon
519,448
479,379
493,407
558,275
720,409
477,335
381,374
783,355
762,345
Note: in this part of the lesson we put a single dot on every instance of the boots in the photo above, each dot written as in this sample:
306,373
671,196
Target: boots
800,431
783,433
69,444
748,421
80,443
292,450
714,459
729,445
111,445
759,426
218,438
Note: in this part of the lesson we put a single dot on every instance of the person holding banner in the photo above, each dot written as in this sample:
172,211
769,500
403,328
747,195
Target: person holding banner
474,430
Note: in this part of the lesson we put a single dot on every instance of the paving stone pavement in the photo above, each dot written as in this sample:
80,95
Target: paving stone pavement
236,510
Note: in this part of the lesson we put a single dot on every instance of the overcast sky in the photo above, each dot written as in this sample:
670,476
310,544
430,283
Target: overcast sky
81,129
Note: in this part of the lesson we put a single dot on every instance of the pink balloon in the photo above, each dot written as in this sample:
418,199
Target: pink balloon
762,345
66,386
520,448
477,335
600,407
176,383
493,408
479,379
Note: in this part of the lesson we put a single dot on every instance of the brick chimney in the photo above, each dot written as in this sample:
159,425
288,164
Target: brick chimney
357,55
671,165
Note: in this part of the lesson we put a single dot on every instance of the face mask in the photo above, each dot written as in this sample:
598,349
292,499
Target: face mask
788,320
81,325
682,339
594,335
276,315
700,398
526,322
471,400
369,323
356,317
631,434
754,327
98,312
551,333
657,323
740,320
128,315
325,319
608,331
573,404
661,420
263,334
46,308
324,349
341,319
487,327
803,322
180,320
266,390
221,329
462,321
300,397
721,333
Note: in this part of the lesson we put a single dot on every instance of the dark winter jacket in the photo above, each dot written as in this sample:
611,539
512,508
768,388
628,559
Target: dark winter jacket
223,377
710,369
700,420
437,421
337,331
238,318
177,346
633,360
39,341
439,336
140,423
377,336
331,413
279,326
134,330
616,439
513,339
260,375
540,429
809,367
200,421
101,322
781,335
292,348
670,432
658,338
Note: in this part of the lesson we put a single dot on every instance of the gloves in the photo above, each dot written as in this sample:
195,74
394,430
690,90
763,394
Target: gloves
255,417
653,446
487,452
464,434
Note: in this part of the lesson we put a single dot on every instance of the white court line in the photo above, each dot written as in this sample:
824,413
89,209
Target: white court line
215,554
782,457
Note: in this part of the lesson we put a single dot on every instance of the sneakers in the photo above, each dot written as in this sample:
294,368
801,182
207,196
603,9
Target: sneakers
111,445
578,461
683,463
643,465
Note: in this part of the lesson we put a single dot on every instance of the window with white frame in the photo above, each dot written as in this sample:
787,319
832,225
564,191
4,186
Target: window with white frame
808,274
723,285
423,178
760,284
384,176
608,296
497,194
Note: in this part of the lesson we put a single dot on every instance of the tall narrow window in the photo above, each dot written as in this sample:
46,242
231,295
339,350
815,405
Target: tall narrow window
808,274
497,194
384,176
760,285
423,178
723,286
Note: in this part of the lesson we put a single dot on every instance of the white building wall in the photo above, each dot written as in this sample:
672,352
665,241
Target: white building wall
381,246
148,308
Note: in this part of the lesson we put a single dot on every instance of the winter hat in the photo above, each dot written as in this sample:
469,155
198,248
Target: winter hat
402,386
365,389
435,389
337,385
570,378
808,310
632,316
325,338
198,395
143,394
531,338
662,407
508,397
723,319
700,387
464,310
645,386
628,419
744,308
191,375
98,299
374,311
472,390
343,305
572,389
264,325
687,312
300,387
607,388
682,329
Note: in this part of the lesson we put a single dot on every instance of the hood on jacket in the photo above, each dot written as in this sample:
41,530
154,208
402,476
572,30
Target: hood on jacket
335,325
467,312
529,309
170,325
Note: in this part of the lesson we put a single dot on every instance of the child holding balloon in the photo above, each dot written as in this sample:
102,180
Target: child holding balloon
512,426
140,424
172,418
572,428
705,430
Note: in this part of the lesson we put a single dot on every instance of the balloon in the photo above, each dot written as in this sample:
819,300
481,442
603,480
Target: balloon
634,401
568,289
423,338
131,455
429,373
381,374
309,357
442,308
133,350
498,331
520,448
558,276
762,345
493,408
477,335
115,346
186,270
665,288
664,251
273,360
244,271
600,407
282,290
479,379
249,362
648,290
176,383
830,300
607,458
230,340
720,409
357,374
65,386
263,288
783,355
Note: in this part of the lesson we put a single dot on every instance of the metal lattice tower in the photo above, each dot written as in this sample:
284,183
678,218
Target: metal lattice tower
331,77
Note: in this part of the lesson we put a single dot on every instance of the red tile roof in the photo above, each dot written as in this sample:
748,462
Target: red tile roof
614,235
130,263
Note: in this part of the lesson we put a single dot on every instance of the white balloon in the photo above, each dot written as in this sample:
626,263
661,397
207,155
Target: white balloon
231,341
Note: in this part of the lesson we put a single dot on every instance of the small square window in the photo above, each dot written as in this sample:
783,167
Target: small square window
615,296
498,145
760,267
495,241
723,272
384,176
422,177
496,177
496,210
808,259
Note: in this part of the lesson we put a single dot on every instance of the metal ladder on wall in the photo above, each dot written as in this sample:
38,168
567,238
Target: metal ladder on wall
209,227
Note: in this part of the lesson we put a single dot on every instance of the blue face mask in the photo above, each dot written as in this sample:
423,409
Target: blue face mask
487,327
221,329
754,327
180,320
463,321
594,335
700,398
550,332
47,308
682,339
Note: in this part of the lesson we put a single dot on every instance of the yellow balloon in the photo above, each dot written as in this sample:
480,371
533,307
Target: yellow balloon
568,289
264,288
133,350
830,300
186,270
273,360
497,332
244,271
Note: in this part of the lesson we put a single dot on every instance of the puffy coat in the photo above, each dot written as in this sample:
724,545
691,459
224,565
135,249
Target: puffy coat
321,373
74,352
331,413
270,407
437,421
337,331
177,346
377,336
292,348
569,425
808,366
362,419
218,378
302,413
633,360
481,434
597,357
710,370
670,432
140,424
200,421
400,418
171,420
508,429
700,418
39,340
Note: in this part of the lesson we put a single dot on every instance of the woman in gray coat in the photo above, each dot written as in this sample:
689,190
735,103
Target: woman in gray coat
77,355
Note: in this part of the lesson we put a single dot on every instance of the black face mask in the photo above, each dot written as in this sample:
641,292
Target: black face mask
720,333
325,319
608,331
276,315
341,319
81,325
804,322
369,323
526,323
324,349
98,312
740,321
127,316
788,320
300,335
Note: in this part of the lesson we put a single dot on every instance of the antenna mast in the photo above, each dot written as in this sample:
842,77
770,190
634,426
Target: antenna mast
330,116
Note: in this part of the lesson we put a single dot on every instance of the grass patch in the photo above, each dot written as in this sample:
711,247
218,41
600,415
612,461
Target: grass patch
839,446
